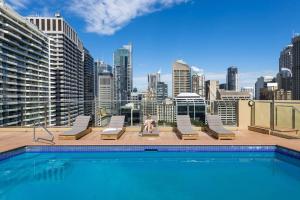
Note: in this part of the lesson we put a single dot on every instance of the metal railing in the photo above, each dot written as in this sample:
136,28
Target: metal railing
63,113
37,139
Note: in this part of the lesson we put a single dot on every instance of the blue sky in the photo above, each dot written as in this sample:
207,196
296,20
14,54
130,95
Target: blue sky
209,34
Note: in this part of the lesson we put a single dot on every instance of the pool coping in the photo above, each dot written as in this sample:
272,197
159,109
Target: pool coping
142,148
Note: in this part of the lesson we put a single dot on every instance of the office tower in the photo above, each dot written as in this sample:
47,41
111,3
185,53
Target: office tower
66,65
264,82
198,81
153,79
286,58
232,79
211,88
296,68
250,90
162,91
103,67
89,83
24,71
284,79
123,75
105,91
181,78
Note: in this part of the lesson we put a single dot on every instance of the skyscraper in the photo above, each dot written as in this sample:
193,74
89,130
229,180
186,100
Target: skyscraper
66,65
24,70
232,79
162,91
286,58
153,80
122,75
88,83
284,79
296,68
198,81
181,78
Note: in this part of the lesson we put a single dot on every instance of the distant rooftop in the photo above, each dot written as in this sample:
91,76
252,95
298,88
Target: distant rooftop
181,62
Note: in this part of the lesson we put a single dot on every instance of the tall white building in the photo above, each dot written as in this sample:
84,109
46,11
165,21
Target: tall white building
181,78
66,64
24,71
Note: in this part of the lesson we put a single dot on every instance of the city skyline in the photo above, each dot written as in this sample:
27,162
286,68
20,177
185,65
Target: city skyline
263,44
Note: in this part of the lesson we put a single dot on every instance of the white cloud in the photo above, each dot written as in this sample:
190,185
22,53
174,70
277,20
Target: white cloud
18,4
108,16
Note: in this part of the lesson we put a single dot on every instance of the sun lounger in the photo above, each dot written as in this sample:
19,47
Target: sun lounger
216,128
115,128
184,128
79,129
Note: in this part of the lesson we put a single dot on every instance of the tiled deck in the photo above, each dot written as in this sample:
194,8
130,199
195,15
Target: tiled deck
10,139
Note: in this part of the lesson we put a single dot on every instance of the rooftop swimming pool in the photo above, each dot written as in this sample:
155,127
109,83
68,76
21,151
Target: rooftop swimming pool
150,173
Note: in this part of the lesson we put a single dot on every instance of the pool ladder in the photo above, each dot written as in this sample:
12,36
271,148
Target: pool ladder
36,139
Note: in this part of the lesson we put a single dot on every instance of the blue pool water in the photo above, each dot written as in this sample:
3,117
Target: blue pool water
149,176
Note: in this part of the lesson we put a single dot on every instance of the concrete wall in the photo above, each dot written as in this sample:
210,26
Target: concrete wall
244,114
262,113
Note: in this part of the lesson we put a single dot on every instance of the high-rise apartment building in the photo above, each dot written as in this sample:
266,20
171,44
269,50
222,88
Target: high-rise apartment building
153,80
181,78
24,71
162,91
122,75
296,68
284,79
232,79
66,65
198,81
286,58
211,88
89,83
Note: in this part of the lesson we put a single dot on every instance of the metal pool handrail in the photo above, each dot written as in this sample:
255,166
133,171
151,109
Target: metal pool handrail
36,139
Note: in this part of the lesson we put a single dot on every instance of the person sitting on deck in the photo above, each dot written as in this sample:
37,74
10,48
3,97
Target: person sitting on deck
149,124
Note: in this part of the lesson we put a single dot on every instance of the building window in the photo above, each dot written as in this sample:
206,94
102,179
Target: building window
37,22
54,24
59,25
48,24
43,24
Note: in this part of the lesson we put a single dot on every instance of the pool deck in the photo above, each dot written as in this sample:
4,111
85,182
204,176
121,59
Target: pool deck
11,138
